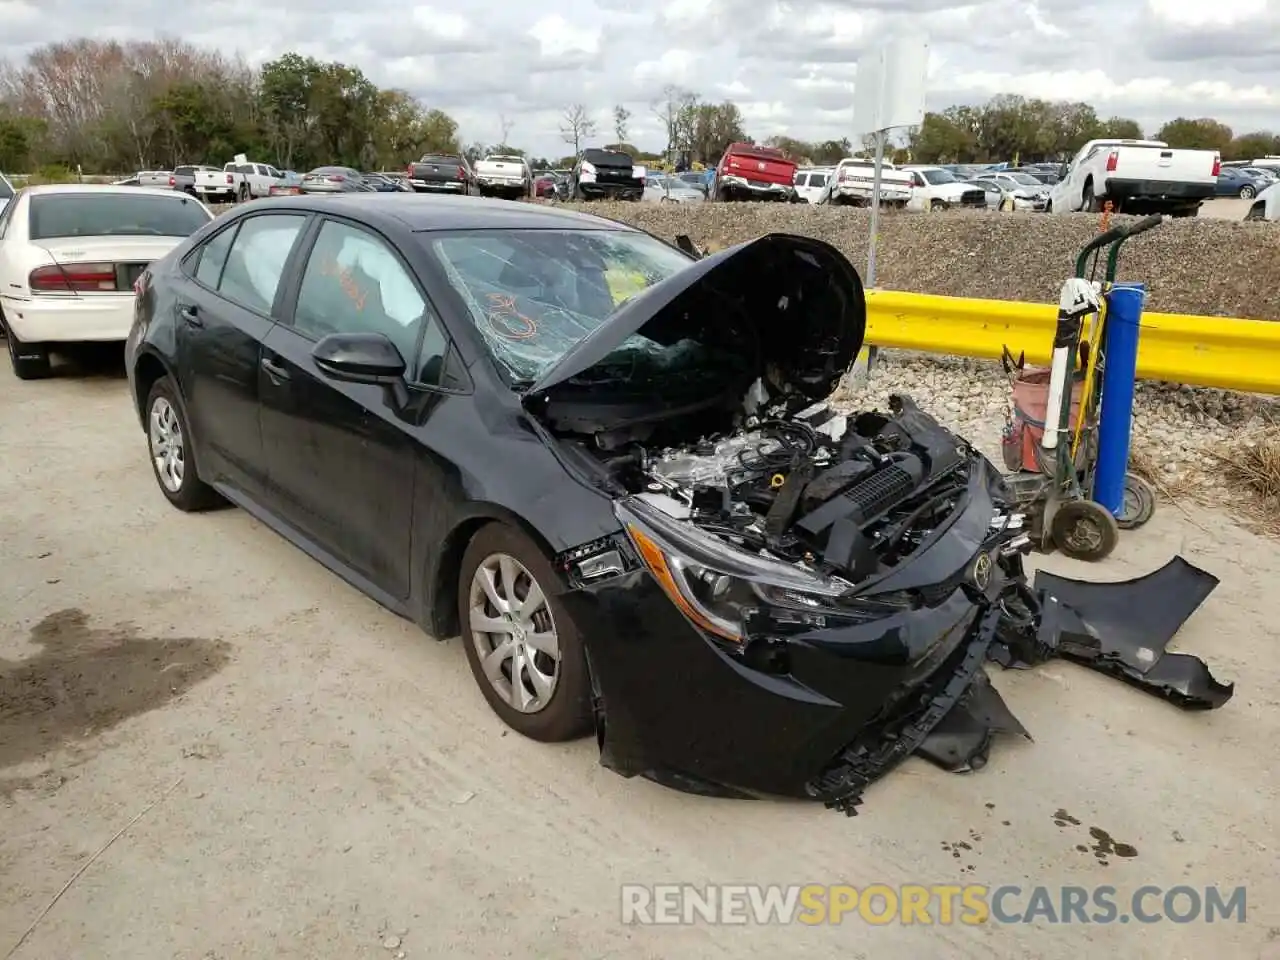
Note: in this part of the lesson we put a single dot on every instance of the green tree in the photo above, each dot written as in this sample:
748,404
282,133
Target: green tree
1121,128
15,144
1251,146
1201,134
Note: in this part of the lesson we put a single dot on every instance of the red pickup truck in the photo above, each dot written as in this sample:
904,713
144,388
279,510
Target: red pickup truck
748,171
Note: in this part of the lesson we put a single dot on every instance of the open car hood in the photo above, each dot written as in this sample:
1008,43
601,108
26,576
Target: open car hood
796,303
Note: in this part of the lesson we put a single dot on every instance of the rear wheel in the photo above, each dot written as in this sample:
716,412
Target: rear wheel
1091,203
523,648
1247,193
169,444
242,194
30,361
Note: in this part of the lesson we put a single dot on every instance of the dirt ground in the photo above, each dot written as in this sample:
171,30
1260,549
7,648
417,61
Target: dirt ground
342,790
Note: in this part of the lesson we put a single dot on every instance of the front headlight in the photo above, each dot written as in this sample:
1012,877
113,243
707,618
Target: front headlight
714,585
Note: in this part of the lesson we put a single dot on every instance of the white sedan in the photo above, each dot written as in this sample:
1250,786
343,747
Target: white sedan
69,256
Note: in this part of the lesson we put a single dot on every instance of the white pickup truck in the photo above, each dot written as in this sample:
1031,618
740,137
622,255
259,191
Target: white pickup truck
854,178
503,176
1137,176
237,181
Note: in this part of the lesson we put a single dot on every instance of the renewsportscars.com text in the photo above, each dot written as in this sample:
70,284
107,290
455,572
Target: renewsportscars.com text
921,904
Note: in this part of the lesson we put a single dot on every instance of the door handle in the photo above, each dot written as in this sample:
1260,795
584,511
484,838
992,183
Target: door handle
189,313
277,373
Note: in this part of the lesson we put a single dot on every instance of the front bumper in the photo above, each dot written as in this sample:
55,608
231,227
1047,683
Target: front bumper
822,710
611,191
101,317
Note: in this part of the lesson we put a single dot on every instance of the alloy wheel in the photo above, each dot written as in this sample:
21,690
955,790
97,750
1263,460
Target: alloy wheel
168,452
514,633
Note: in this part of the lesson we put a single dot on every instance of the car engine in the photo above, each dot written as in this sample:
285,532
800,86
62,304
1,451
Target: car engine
852,496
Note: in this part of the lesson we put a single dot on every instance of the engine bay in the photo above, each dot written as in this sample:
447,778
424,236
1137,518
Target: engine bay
848,496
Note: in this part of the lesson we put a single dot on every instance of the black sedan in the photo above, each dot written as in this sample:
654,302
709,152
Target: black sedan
604,461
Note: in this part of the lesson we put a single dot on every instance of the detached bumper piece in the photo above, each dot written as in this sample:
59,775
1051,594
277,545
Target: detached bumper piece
1120,629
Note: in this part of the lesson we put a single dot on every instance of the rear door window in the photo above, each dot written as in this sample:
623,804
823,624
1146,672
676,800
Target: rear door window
59,215
257,259
213,257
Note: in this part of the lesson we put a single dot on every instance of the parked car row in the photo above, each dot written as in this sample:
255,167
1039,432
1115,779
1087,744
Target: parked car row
243,180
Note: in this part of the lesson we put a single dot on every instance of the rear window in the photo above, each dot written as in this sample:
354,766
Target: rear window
440,160
114,215
607,158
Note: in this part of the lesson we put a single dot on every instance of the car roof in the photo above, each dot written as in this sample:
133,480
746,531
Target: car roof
45,189
422,213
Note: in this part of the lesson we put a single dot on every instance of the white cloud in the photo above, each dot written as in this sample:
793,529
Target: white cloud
790,66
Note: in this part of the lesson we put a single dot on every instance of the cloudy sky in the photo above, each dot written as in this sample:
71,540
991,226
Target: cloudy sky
789,66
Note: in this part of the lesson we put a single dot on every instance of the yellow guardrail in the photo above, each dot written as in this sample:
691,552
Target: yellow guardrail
1218,352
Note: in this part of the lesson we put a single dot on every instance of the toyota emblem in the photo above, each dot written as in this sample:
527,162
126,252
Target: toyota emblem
982,571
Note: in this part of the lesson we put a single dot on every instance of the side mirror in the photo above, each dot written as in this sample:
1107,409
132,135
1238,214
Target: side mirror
359,358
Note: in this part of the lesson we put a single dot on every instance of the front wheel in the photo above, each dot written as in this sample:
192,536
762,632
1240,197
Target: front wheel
523,648
1247,193
169,444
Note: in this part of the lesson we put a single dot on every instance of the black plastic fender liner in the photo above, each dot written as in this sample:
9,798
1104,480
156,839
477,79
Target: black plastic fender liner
1123,628
961,741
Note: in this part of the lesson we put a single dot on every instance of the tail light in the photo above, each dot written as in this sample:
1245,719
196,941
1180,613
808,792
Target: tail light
408,171
588,167
1113,158
462,173
173,181
1217,165
230,179
73,278
733,162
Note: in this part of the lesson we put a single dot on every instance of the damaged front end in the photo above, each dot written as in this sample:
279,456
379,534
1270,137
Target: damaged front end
799,599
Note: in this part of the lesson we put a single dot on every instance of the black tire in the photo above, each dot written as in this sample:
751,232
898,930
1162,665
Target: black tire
30,361
1084,530
1091,203
242,193
567,713
1139,503
192,494
1247,192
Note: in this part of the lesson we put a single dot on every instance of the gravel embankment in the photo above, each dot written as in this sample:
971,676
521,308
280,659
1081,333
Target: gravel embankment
1197,266
1193,266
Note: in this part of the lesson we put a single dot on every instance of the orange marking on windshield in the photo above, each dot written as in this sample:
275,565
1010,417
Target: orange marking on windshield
502,316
